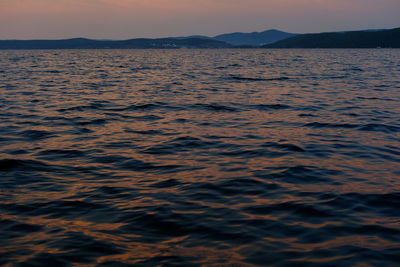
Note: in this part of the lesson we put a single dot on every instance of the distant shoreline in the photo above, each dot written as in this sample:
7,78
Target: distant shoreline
183,49
331,40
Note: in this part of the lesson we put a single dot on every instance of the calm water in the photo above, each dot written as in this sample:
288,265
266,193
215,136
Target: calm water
200,157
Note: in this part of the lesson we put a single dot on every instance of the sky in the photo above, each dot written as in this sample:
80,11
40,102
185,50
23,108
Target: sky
124,19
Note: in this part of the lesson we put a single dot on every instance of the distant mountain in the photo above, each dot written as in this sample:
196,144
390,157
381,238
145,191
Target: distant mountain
254,38
266,39
240,39
353,39
142,43
192,36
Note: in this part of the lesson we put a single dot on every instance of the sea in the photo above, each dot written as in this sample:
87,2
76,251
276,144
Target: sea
225,157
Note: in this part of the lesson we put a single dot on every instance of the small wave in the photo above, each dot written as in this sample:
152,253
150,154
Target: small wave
215,107
251,153
384,204
331,125
307,115
146,132
36,134
300,174
246,186
388,233
180,144
76,247
53,71
147,118
92,106
367,127
354,69
141,166
166,184
23,165
146,107
269,107
253,79
111,192
60,154
109,159
287,147
380,128
303,210
18,229
80,122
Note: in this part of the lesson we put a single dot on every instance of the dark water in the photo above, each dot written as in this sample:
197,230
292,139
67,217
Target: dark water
200,157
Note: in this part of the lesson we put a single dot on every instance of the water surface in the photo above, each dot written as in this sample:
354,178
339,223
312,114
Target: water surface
200,157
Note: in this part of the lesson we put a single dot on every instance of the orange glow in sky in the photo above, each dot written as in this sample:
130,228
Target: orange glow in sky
123,19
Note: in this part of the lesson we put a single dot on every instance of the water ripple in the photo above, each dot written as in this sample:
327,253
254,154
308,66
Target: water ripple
200,158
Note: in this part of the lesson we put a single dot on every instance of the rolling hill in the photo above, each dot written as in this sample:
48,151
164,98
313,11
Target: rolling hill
253,39
141,43
352,39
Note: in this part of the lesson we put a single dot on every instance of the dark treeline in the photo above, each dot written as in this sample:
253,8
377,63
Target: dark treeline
142,43
354,39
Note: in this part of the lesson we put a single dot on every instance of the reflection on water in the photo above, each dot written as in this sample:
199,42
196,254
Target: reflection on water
214,157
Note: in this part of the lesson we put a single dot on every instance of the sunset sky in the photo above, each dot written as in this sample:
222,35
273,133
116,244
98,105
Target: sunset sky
124,19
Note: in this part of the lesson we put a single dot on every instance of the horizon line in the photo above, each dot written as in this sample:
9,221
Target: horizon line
190,36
